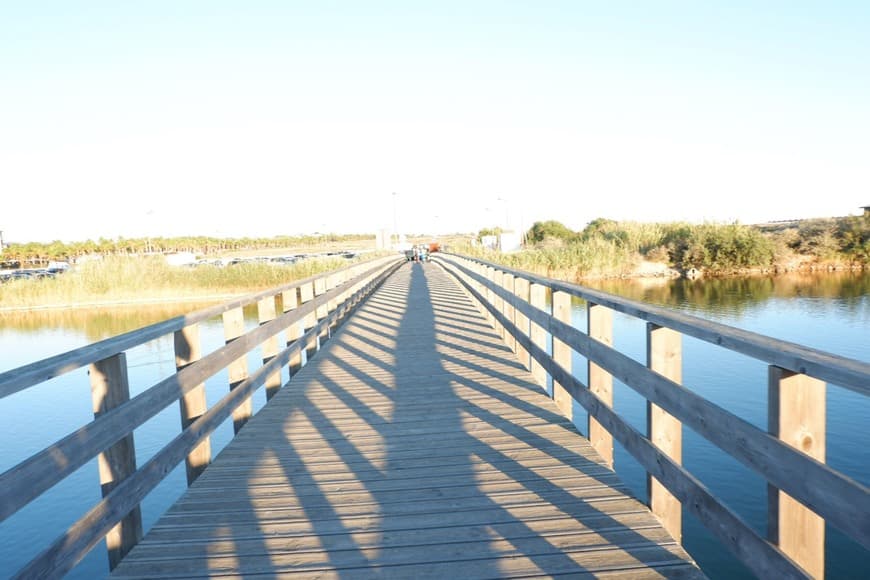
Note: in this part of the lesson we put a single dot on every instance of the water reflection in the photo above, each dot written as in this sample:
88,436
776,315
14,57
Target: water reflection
738,294
95,323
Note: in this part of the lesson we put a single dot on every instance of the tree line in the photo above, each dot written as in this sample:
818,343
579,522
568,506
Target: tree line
41,253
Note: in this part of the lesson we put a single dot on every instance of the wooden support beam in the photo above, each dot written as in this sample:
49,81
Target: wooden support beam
234,327
490,297
322,310
193,404
509,312
600,328
522,289
562,353
306,294
796,415
664,356
538,299
333,280
110,388
266,312
290,301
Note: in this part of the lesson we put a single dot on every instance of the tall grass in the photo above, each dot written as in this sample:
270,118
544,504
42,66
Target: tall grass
119,279
586,258
609,248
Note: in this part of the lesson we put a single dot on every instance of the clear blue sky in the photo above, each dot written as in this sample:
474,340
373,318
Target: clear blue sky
264,118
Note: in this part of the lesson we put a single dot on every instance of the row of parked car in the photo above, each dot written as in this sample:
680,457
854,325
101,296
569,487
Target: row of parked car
273,260
29,274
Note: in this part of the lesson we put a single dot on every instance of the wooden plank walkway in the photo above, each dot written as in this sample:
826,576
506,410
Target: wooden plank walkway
414,445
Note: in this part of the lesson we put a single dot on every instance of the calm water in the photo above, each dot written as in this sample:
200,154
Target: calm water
830,312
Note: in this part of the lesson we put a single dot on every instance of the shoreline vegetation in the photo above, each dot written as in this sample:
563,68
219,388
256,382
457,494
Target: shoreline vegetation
610,249
121,281
135,271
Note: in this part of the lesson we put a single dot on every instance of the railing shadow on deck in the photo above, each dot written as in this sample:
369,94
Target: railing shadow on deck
312,308
803,493
400,422
396,513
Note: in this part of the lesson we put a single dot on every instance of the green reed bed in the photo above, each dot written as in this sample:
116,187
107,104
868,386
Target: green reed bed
117,280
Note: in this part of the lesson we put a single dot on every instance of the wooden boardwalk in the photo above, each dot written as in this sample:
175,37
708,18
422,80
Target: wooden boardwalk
414,445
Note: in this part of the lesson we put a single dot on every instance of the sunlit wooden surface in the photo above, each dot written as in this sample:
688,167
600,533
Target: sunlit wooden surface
413,445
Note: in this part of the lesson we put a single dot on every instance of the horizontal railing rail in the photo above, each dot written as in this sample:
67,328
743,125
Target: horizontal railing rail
804,492
316,304
25,376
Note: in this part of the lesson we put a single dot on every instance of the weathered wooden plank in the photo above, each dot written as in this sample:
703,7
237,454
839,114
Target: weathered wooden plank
290,301
110,389
266,312
354,487
540,479
401,459
549,556
562,355
581,550
664,356
237,370
193,403
330,504
796,415
594,513
509,312
599,328
401,536
523,291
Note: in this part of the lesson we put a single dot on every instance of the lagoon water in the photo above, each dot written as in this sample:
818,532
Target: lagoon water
830,312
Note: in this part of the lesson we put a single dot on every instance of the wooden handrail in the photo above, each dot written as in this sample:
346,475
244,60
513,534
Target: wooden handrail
844,372
809,483
116,422
25,376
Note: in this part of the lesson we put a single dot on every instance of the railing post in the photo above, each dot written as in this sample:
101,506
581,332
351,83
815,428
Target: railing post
498,302
483,272
333,281
490,277
290,301
266,313
234,327
110,388
193,405
796,415
322,310
509,312
522,289
562,353
664,356
600,328
538,299
306,294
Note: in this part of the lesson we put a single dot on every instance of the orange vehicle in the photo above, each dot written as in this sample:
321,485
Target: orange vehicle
434,247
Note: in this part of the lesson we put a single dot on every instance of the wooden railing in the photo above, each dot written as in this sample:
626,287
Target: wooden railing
803,492
311,308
